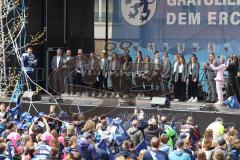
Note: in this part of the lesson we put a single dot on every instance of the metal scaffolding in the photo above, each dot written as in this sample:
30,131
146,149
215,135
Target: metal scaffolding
12,35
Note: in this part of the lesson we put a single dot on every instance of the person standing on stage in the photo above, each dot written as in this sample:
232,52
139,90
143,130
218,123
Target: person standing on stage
29,62
166,72
57,64
180,79
232,68
147,75
68,74
137,72
103,76
192,78
175,63
115,68
126,76
92,72
219,79
79,72
212,95
157,67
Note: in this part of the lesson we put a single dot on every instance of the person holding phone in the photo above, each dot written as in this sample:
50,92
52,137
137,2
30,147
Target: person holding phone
29,62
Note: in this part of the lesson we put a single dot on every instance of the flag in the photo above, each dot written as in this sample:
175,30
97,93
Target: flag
117,121
103,145
16,93
9,151
142,145
232,102
14,111
109,121
173,124
120,135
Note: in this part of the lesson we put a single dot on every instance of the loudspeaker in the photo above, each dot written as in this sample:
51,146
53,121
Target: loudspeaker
31,96
128,102
207,107
56,99
162,102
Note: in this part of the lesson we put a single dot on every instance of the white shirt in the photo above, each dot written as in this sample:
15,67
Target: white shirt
102,63
113,65
138,61
191,68
175,67
180,68
92,62
58,61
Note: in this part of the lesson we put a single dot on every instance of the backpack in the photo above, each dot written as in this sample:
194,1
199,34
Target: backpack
171,134
191,133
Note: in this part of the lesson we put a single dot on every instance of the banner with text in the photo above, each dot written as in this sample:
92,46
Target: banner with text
187,26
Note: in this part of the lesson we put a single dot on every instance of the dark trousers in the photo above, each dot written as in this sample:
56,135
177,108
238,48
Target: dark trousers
126,84
174,86
156,83
139,82
102,83
58,81
115,82
192,88
27,83
165,87
147,86
181,88
232,87
78,82
68,81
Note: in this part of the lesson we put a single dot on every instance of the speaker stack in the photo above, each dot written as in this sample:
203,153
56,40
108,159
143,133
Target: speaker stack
160,102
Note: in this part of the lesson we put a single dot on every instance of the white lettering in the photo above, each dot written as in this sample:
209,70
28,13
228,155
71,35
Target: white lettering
231,2
208,2
194,19
171,18
211,18
233,16
182,2
223,18
218,3
171,2
191,2
182,18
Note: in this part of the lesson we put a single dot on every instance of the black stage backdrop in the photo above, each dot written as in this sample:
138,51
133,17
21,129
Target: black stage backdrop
69,23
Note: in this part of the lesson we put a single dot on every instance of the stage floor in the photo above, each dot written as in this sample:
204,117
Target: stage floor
113,103
111,107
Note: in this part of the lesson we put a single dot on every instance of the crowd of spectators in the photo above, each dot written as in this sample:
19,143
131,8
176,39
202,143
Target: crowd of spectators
56,136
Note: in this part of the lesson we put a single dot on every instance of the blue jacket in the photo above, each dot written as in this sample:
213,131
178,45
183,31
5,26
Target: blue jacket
178,155
126,154
87,150
148,155
166,148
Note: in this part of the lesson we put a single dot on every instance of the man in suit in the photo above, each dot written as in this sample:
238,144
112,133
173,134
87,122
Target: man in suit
57,64
103,76
93,69
68,73
157,67
212,94
166,72
79,73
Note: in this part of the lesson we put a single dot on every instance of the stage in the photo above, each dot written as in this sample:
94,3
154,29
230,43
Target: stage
111,107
